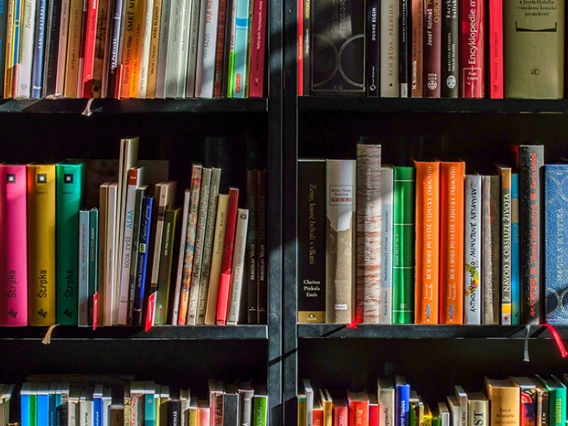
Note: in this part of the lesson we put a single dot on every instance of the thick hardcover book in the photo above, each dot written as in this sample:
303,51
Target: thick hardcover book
70,180
389,49
258,49
13,240
358,408
236,289
39,50
404,47
387,197
515,252
92,306
340,249
83,290
143,254
505,398
506,240
73,48
311,240
451,242
472,49
450,49
334,72
372,68
262,252
528,392
555,243
478,409
557,399
472,249
490,248
403,246
417,18
171,223
495,49
251,262
368,233
24,71
531,162
432,50
402,410
534,50
427,241
51,47
41,244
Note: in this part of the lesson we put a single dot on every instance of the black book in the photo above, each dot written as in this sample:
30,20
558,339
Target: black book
262,294
372,65
404,49
174,412
251,267
307,36
450,53
231,409
51,51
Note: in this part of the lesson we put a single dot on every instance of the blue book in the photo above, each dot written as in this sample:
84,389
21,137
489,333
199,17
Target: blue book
98,405
515,253
37,65
143,253
52,398
402,395
555,243
25,402
239,74
16,37
149,404
43,404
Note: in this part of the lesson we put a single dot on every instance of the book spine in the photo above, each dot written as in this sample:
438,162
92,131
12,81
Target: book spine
3,42
163,49
490,249
82,37
89,48
73,47
24,76
432,50
495,46
115,49
372,65
368,234
262,293
126,56
515,252
528,399
241,41
51,47
135,244
41,244
62,47
472,246
101,53
9,59
260,410
143,253
181,254
145,42
427,242
404,45
389,48
403,246
135,61
205,69
452,242
300,48
258,49
505,246
83,293
251,267
311,241
194,48
358,413
110,302
172,68
220,48
479,411
153,54
306,46
38,57
417,17
402,415
450,49
472,51
93,265
387,199
235,295
183,49
18,18
164,280
229,53
13,237
531,160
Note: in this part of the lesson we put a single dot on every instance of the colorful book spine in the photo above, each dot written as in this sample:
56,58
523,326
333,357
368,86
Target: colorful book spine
472,50
452,242
515,252
490,248
154,49
13,240
450,49
472,249
145,42
8,71
143,254
258,66
432,50
83,288
93,267
224,19
495,46
387,199
241,39
39,50
139,199
402,410
403,246
3,42
427,241
89,48
506,308
24,71
17,37
41,244
300,48
102,50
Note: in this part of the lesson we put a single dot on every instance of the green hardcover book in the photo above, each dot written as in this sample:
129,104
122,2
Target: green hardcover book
33,405
403,246
260,406
436,419
70,179
166,256
557,400
93,262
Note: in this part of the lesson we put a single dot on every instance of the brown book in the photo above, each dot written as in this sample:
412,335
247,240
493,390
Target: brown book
73,49
220,50
432,50
505,398
417,16
490,248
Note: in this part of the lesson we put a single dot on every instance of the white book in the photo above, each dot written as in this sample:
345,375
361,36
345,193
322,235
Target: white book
62,47
107,402
86,409
145,42
444,414
205,68
179,273
461,396
184,399
184,48
163,50
238,267
472,243
386,398
24,77
110,288
308,390
83,308
454,408
174,42
73,407
192,50
387,196
478,409
389,49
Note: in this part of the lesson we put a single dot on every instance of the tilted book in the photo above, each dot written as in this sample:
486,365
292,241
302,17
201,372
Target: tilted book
506,240
490,248
472,250
387,187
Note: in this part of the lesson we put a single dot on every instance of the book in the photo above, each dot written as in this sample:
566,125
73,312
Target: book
340,271
402,410
528,400
236,299
13,240
427,242
251,264
163,48
403,245
387,186
109,309
372,63
454,409
26,46
258,48
472,49
205,67
542,413
181,255
389,28
404,47
3,42
450,49
262,251
479,412
73,48
490,248
239,74
260,406
515,252
147,28
153,52
340,412
102,265
39,49
417,46
224,32
504,397
557,399
387,401
83,288
89,40
472,250
9,57
231,407
102,49
463,400
308,391
358,408
432,69
194,32
327,405
143,255
495,46
41,243
92,304
506,306
51,48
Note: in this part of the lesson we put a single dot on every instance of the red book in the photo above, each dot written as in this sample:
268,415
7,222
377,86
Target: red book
300,61
317,414
256,77
373,410
220,51
13,246
472,71
432,68
89,48
358,408
340,412
496,49
227,259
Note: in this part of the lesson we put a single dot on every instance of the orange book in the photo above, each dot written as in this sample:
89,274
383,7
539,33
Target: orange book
452,179
427,242
358,408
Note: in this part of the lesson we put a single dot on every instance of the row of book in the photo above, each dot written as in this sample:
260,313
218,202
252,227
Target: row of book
514,401
78,251
423,48
106,401
428,244
132,48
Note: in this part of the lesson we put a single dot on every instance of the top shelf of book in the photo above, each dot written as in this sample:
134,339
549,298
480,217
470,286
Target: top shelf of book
114,106
444,105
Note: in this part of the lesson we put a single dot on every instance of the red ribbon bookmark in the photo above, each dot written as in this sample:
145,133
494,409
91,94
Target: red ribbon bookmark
558,340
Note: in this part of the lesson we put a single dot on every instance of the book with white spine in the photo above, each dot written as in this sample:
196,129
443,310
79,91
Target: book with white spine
387,194
174,42
472,242
183,48
110,308
24,77
205,69
235,301
145,48
386,398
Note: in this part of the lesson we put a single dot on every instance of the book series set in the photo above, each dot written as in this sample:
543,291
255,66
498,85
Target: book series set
514,401
432,49
92,243
430,244
132,48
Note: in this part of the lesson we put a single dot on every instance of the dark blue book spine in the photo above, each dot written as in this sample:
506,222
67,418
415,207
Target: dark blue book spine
37,66
515,252
402,410
51,47
3,25
51,397
114,48
142,259
372,48
556,241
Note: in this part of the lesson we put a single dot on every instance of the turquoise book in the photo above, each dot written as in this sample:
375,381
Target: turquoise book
70,190
239,71
515,253
557,400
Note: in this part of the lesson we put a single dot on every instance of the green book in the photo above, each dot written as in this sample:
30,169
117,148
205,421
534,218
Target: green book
93,261
166,256
33,405
436,419
403,246
260,406
557,400
70,190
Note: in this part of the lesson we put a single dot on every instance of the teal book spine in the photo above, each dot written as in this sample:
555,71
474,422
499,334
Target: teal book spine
70,179
149,410
93,261
403,245
239,74
515,253
557,394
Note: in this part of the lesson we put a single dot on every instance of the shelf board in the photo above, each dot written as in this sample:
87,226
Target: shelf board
115,106
164,332
412,331
356,104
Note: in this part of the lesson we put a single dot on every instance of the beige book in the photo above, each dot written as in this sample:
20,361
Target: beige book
216,257
73,47
103,201
145,40
153,54
110,278
505,403
478,409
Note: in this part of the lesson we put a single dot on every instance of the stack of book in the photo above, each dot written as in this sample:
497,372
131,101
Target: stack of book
90,243
428,244
132,48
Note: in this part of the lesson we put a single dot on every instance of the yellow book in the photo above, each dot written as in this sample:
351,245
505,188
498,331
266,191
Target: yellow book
128,46
9,60
136,47
73,48
153,57
216,257
327,404
504,397
427,421
301,410
41,244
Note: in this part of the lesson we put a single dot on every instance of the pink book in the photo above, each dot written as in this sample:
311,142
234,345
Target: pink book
495,49
13,238
204,413
472,49
256,76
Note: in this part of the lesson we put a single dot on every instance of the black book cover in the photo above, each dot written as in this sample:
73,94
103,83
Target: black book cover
251,267
307,46
372,66
51,52
450,53
174,414
404,47
262,294
231,406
